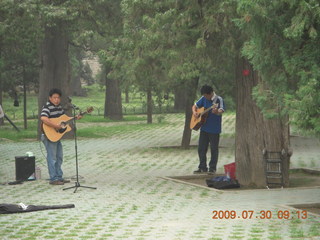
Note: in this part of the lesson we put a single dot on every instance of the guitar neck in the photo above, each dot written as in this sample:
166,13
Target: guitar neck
89,110
69,120
208,109
80,114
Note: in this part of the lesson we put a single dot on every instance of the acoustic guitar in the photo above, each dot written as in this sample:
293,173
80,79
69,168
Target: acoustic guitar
54,135
197,122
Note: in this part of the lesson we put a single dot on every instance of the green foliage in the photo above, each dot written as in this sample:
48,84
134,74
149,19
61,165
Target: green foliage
143,62
19,38
22,27
305,20
94,98
223,41
304,106
79,69
282,44
175,43
162,45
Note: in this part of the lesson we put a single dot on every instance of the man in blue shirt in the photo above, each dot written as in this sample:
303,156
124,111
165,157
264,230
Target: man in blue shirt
210,130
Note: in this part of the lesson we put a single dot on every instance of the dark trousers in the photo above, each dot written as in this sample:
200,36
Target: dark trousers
204,140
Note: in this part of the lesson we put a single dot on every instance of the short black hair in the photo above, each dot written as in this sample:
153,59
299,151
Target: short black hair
55,91
206,89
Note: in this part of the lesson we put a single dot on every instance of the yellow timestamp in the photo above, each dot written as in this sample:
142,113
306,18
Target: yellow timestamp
263,214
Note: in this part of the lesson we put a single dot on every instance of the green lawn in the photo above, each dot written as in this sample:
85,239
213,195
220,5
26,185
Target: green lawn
95,97
92,131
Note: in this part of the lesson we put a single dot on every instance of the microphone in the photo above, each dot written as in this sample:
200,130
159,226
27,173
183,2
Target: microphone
72,105
75,107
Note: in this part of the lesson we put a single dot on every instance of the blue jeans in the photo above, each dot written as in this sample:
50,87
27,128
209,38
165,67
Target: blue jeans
204,140
54,158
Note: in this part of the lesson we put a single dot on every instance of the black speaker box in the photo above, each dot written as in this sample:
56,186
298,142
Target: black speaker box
25,168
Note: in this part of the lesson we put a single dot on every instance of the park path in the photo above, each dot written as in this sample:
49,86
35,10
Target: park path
133,201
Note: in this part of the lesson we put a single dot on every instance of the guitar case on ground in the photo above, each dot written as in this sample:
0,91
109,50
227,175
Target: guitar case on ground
6,208
222,183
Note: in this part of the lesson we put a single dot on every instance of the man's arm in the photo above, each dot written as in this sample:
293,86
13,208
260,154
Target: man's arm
194,110
217,111
220,110
47,121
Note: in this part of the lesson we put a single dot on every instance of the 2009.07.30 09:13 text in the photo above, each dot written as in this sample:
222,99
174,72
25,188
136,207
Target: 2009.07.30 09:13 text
263,214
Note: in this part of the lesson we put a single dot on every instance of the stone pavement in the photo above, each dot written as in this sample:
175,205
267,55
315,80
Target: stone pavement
132,201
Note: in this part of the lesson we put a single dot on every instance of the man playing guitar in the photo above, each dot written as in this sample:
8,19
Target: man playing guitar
210,130
52,109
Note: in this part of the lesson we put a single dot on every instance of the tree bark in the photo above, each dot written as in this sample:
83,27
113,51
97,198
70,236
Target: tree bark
1,119
127,94
149,106
76,74
255,133
24,98
1,89
55,67
77,89
190,91
179,98
113,101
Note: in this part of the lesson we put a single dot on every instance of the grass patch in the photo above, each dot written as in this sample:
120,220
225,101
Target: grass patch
256,230
101,119
296,233
204,193
314,230
7,132
275,237
95,98
109,131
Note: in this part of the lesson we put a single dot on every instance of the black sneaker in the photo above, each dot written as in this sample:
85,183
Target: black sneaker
200,171
211,171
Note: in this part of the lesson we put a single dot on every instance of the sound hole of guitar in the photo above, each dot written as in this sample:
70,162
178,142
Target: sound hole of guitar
62,130
64,127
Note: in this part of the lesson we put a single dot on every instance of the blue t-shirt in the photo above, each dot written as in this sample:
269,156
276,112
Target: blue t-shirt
213,122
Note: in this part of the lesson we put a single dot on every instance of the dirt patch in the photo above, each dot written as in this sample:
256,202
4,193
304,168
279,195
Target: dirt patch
313,207
298,178
304,180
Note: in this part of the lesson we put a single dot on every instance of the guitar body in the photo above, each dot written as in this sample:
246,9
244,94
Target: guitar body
196,123
55,135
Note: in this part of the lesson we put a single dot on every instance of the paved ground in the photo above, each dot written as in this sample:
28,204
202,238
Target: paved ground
132,201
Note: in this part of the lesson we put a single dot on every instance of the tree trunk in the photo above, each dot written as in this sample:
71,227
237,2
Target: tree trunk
179,98
149,106
55,68
127,94
1,119
189,97
24,98
113,102
255,133
1,90
76,86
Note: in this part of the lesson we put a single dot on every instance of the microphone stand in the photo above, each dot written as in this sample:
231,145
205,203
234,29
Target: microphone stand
77,184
